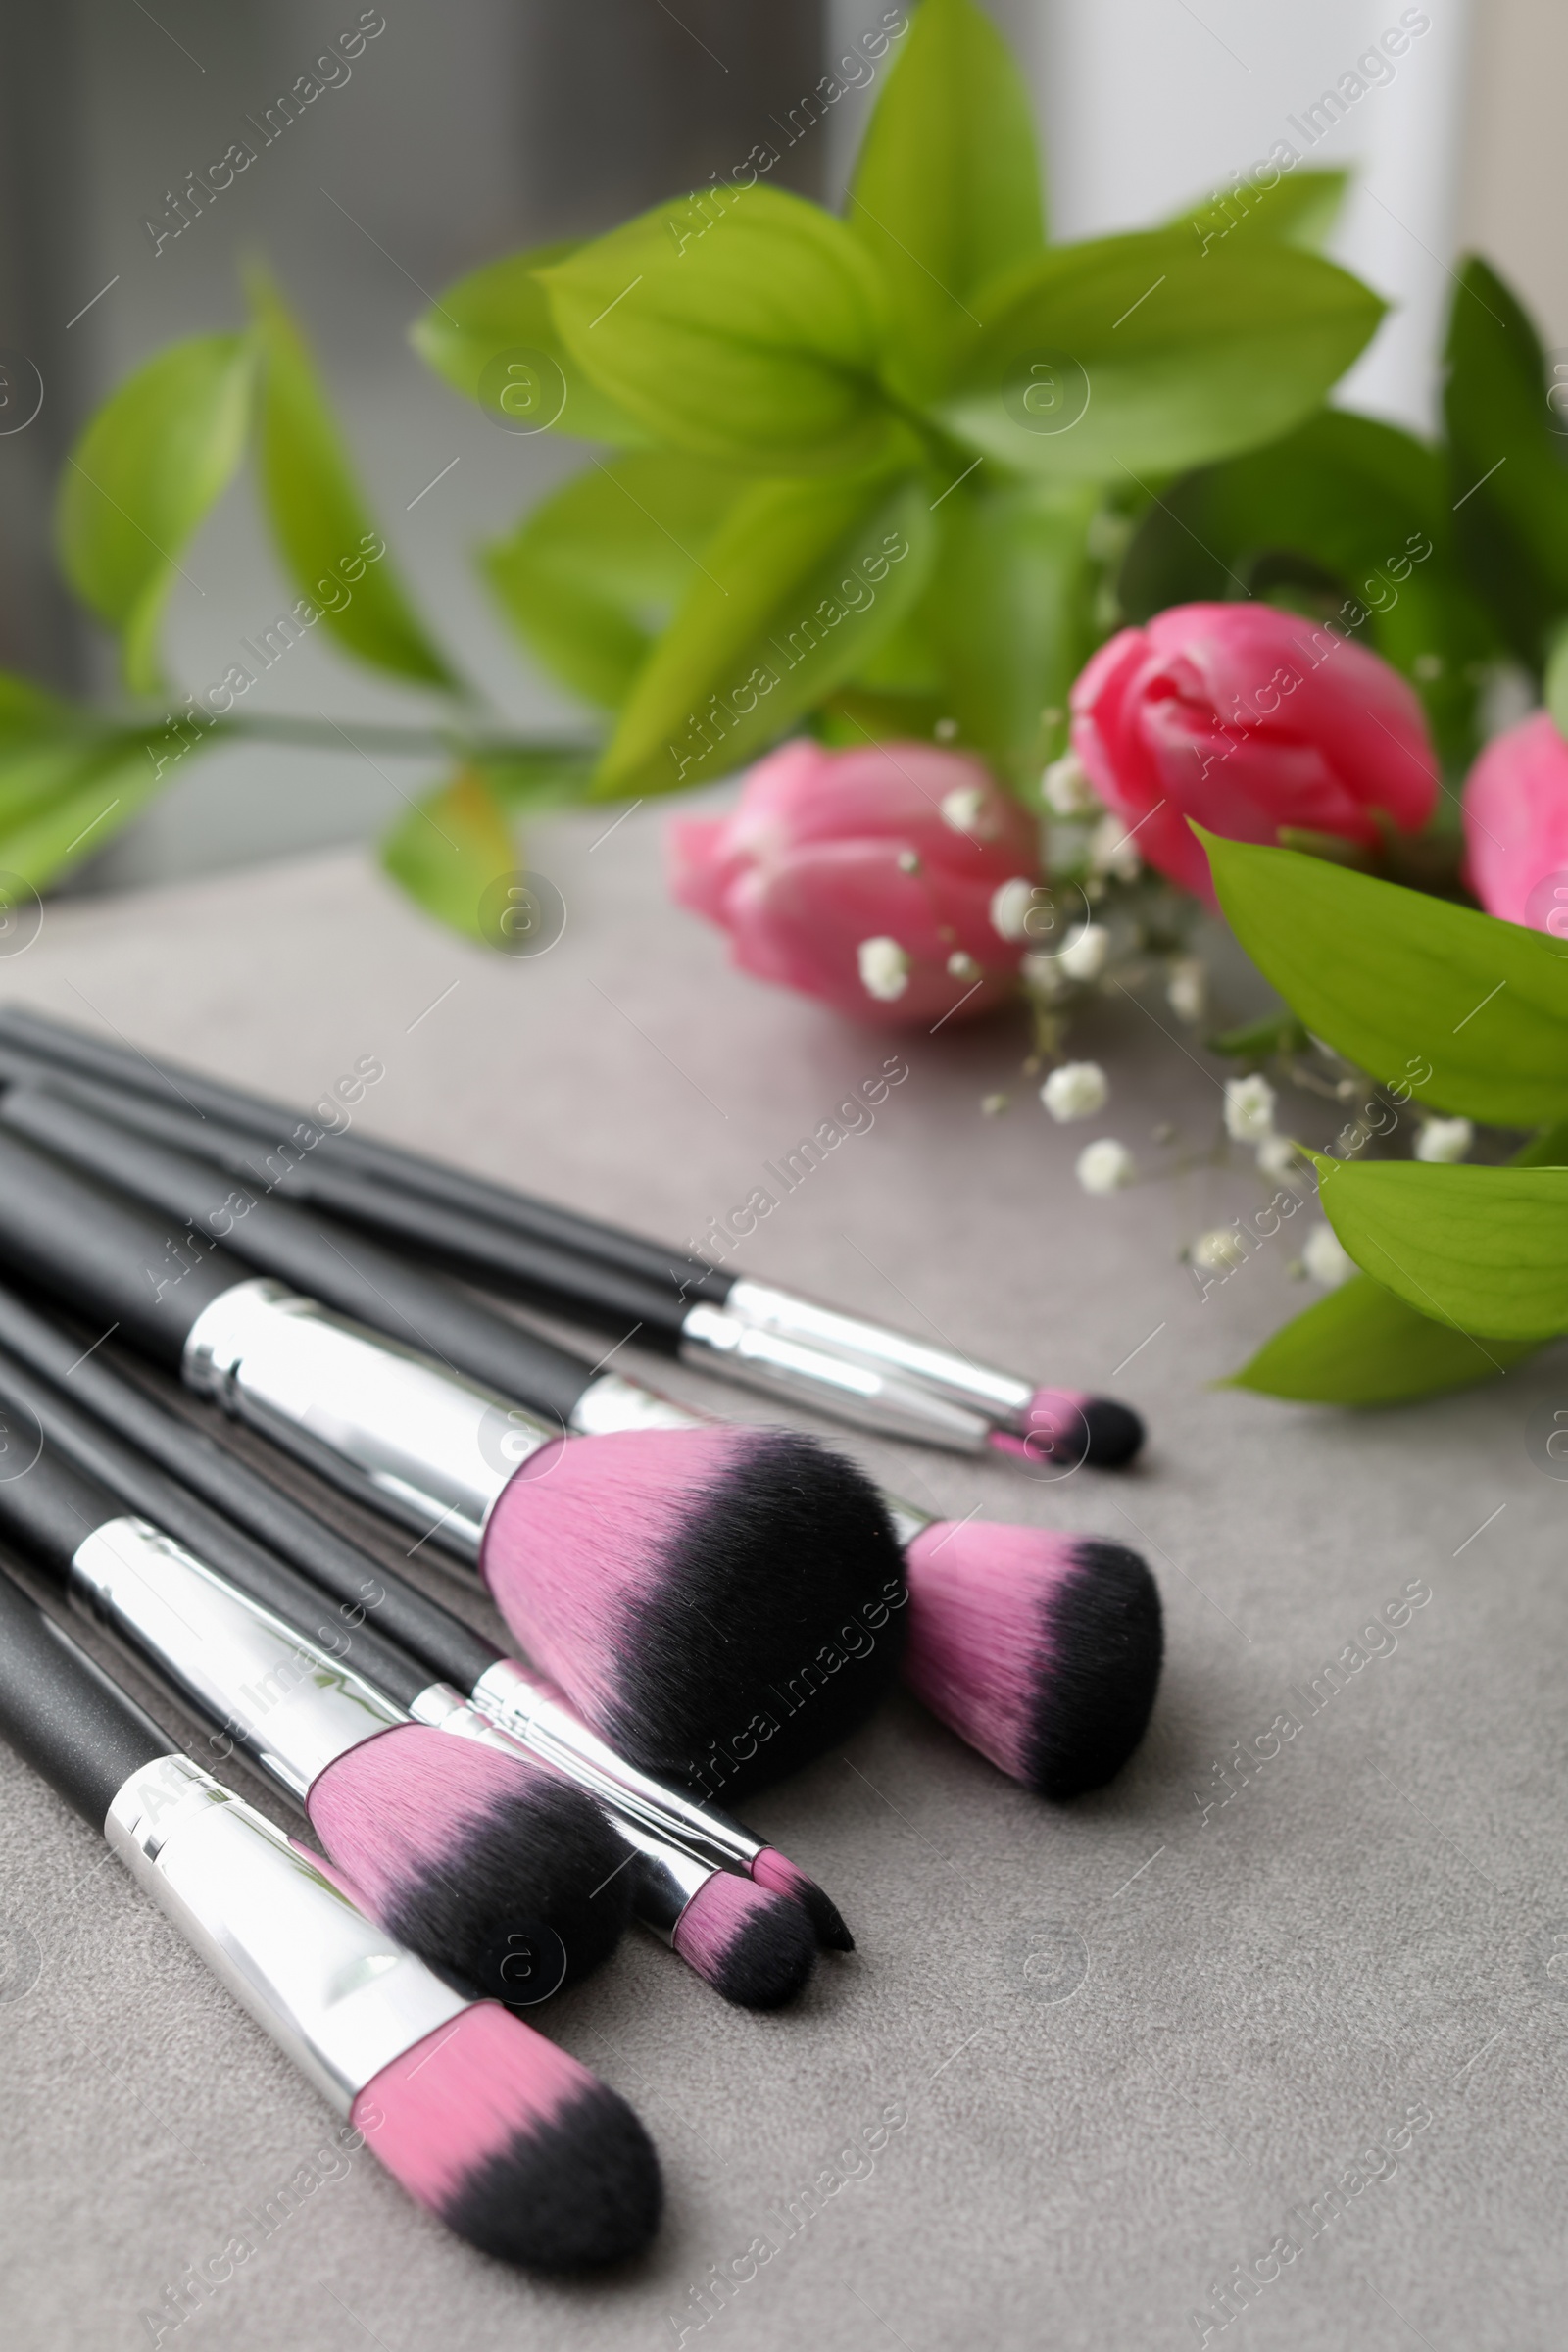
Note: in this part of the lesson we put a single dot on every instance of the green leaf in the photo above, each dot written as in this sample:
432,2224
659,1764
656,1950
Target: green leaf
1009,611
1362,1345
1276,1033
749,337
946,193
448,851
1468,1012
1509,479
318,513
502,311
802,583
61,804
155,457
588,577
1166,355
1344,506
1483,1249
526,778
1302,208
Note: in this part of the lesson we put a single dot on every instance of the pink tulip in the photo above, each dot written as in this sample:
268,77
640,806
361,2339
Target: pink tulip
1516,826
1248,720
867,878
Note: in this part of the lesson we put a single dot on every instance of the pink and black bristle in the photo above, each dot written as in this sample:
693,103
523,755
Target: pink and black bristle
1041,1650
514,2145
754,1946
1065,1428
682,1585
782,1875
472,1858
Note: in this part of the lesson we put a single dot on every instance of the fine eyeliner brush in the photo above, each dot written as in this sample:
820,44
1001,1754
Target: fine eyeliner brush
661,1576
457,1845
756,1332
463,1660
1077,1622
507,1827
507,2140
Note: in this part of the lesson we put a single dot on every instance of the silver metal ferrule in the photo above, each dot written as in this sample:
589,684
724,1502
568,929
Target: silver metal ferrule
666,1875
870,1395
998,1397
333,1991
429,1445
286,1704
533,1712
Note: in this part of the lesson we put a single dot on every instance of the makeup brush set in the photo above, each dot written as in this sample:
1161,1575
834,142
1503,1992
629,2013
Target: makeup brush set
700,1608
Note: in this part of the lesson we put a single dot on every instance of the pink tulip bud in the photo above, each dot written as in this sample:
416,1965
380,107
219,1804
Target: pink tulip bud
1516,826
1248,720
893,882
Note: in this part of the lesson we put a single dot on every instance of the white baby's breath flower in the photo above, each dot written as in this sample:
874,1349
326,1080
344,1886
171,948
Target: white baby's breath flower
1327,1260
1076,1091
1084,957
884,968
1442,1140
964,809
1067,787
1249,1109
1113,850
1187,987
1044,976
1009,907
1105,1166
1279,1158
1222,1249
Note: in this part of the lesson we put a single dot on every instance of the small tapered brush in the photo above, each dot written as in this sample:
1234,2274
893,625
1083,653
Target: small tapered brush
665,1575
503,2136
680,1885
458,1843
753,1332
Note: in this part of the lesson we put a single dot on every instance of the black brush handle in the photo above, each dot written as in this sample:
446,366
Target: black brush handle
541,1271
681,1272
84,1478
123,1265
311,1253
63,1715
399,1611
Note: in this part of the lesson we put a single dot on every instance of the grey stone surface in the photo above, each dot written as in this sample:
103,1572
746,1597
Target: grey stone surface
1133,2043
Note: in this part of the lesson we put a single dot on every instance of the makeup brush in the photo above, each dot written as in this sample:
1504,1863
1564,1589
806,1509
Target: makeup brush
507,2140
757,1952
661,1577
458,1845
756,1332
1096,1661
423,1628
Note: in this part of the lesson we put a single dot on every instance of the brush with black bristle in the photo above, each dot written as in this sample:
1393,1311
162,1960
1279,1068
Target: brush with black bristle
503,2136
664,1577
752,1943
458,1844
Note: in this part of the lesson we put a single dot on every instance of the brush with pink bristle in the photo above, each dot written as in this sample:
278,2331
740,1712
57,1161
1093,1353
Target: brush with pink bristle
667,1573
173,1463
507,2140
458,1843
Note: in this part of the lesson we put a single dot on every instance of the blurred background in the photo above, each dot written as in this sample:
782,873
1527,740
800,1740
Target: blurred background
466,130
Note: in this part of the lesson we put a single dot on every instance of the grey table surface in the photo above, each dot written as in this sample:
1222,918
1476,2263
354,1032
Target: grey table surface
1129,2044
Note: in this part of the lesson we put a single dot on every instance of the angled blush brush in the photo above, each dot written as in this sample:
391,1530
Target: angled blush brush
660,1574
507,2140
758,1334
460,1845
